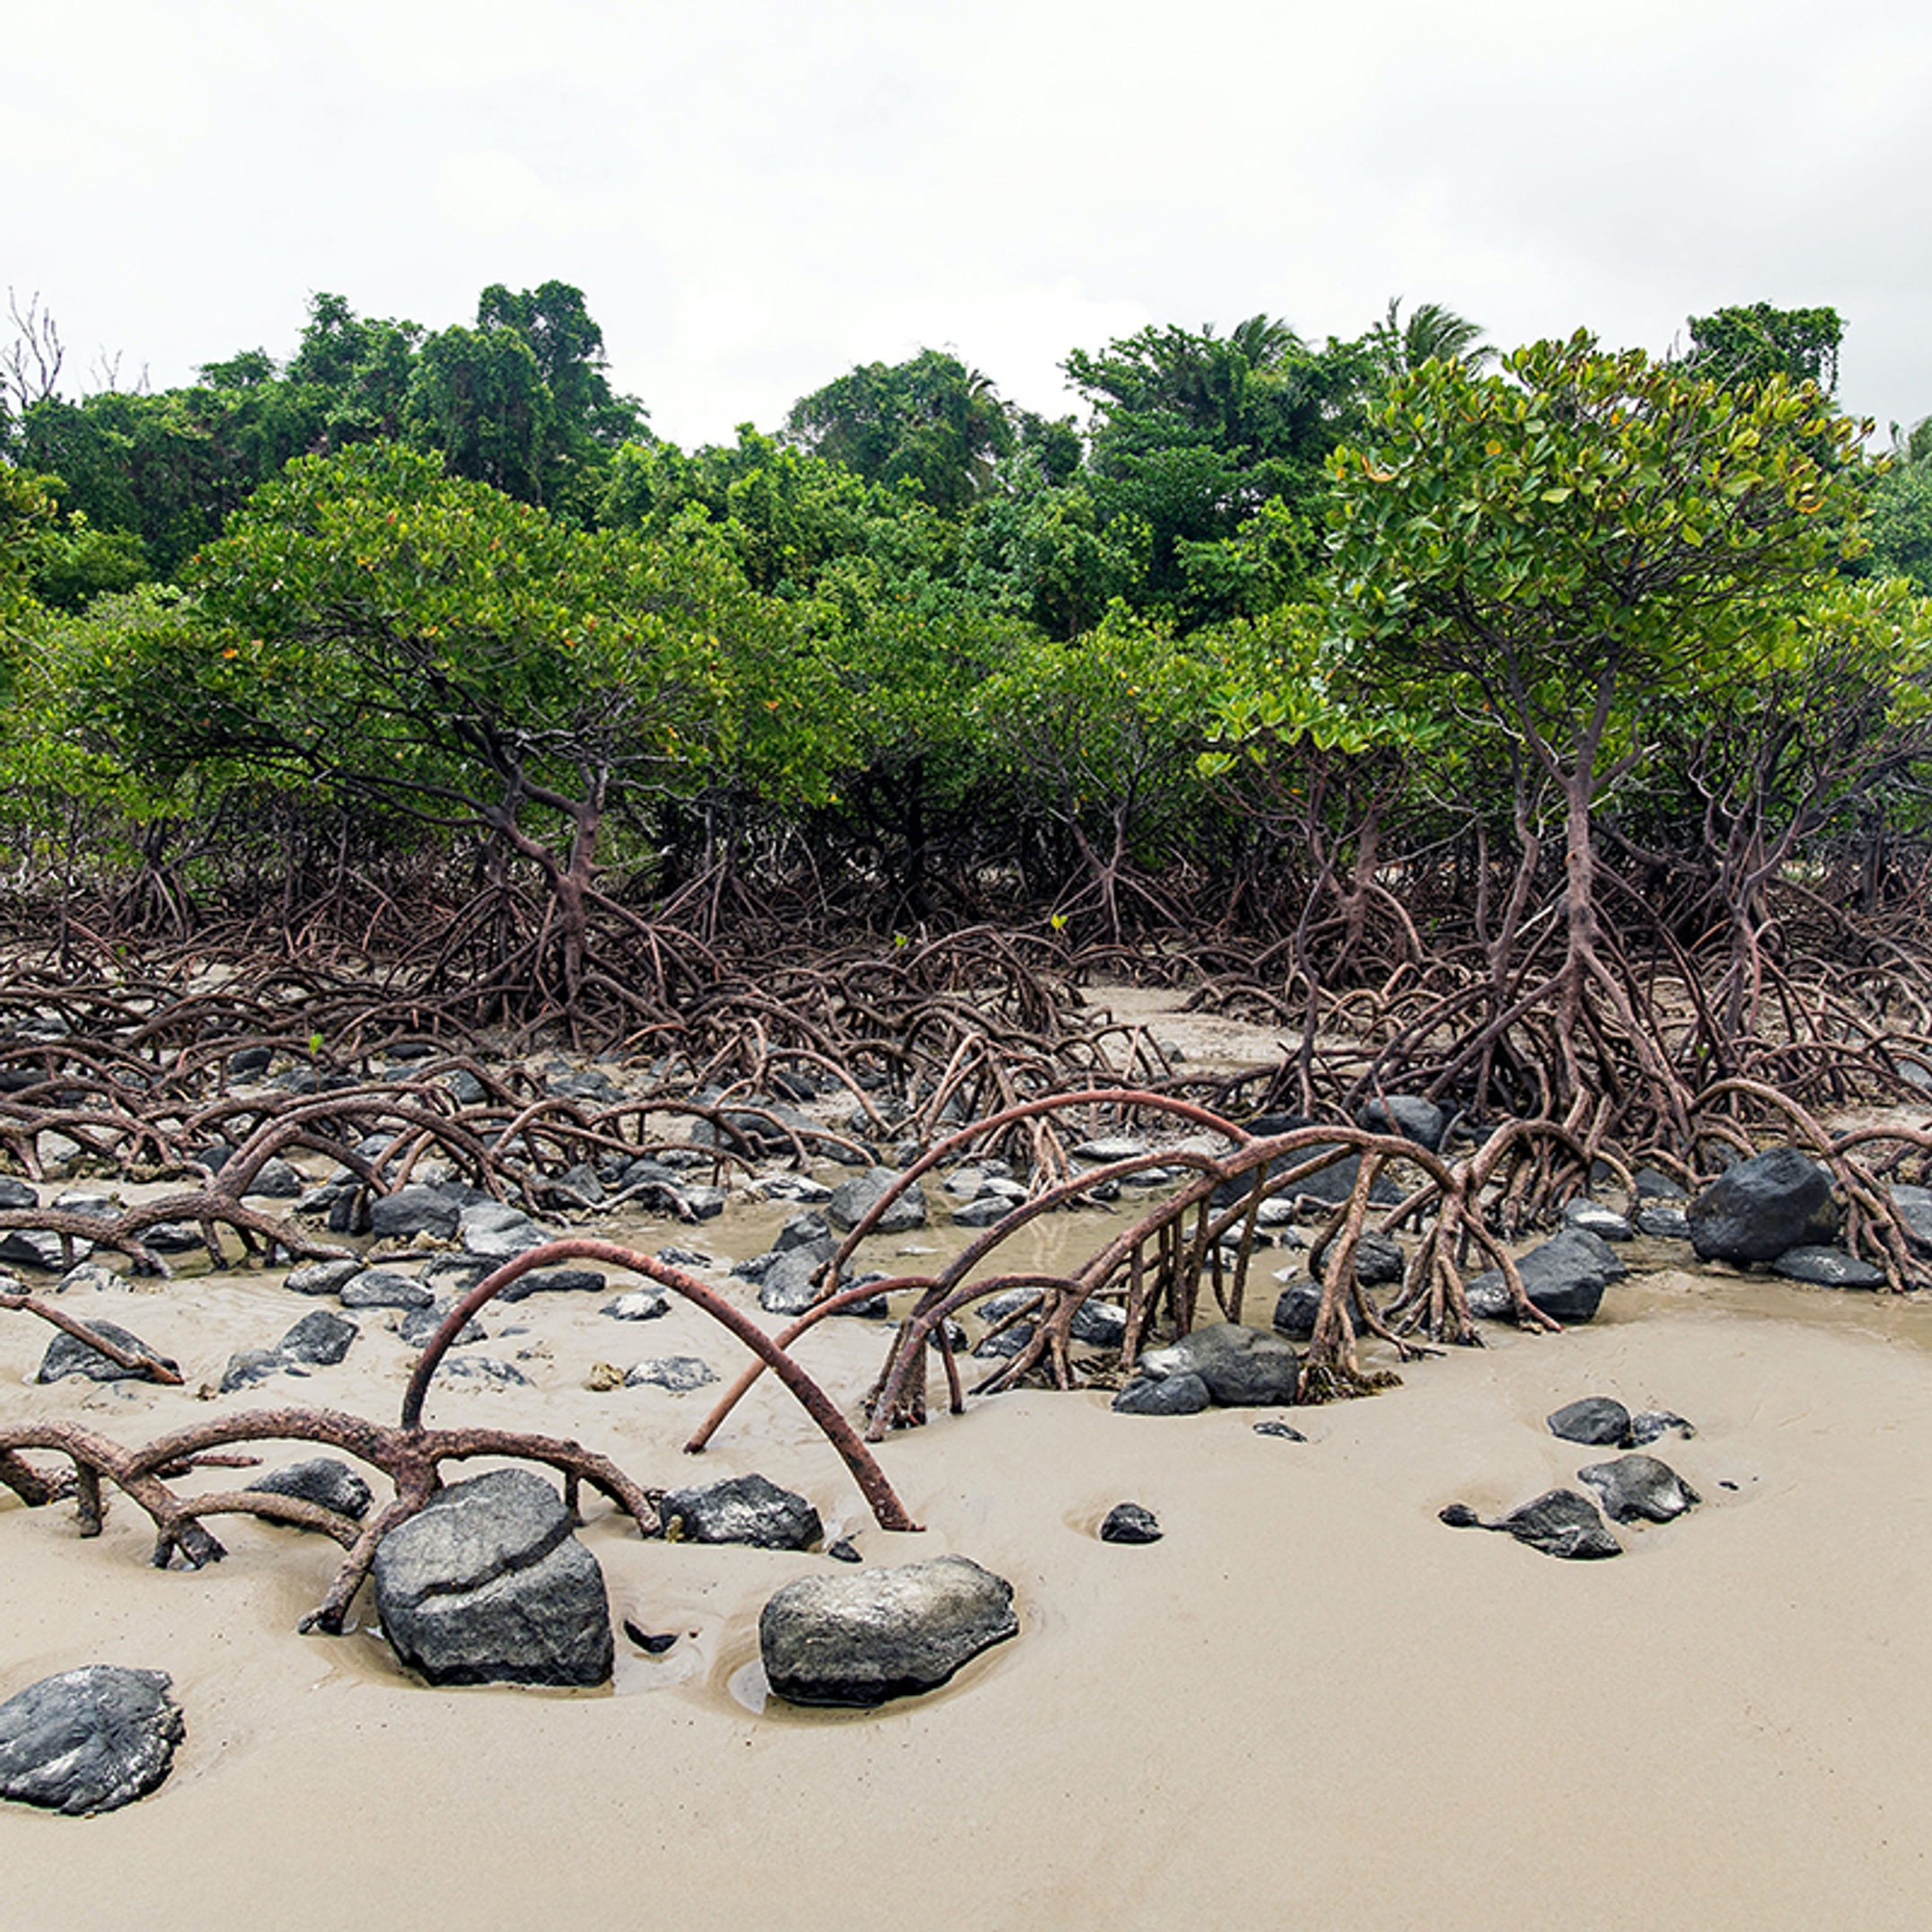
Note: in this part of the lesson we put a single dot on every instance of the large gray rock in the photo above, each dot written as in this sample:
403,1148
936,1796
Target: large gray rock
499,1233
323,1480
1409,1115
89,1740
1296,1308
1639,1488
853,1199
1559,1522
277,1180
1565,1277
1243,1367
383,1287
414,1211
68,1355
1774,1200
786,1286
487,1584
858,1639
322,1277
742,1509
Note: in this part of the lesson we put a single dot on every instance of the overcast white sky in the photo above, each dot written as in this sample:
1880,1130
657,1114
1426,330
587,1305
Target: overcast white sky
756,196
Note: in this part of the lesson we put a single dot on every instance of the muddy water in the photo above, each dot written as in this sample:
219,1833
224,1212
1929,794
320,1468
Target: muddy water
1309,1700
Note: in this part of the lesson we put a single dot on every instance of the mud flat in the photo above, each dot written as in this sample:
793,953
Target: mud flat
1310,1700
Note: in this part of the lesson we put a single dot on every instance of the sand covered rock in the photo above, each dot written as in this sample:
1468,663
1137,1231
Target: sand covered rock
414,1211
860,1639
1559,1522
488,1585
1243,1367
323,1480
67,1355
89,1740
1774,1200
1600,1420
742,1509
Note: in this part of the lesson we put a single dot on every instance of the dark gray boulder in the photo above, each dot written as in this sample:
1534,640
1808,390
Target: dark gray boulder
381,1288
498,1232
67,1355
1409,1115
853,1199
1599,1420
1130,1523
17,1193
1828,1267
1378,1261
1663,1221
322,1481
1331,1185
1565,1277
1560,1524
321,1338
414,1211
89,1740
1243,1367
1164,1395
1915,1210
983,1212
488,1585
742,1509
419,1324
277,1180
1776,1200
1640,1489
322,1277
803,1230
861,1637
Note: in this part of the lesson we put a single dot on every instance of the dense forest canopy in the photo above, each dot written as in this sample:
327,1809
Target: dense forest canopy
1273,610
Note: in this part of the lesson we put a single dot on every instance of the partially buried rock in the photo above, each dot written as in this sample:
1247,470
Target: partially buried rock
322,1481
1653,1423
1639,1488
68,1355
859,1639
1774,1200
1282,1431
1599,1420
89,1740
1167,1395
1130,1523
679,1373
1243,1367
1378,1261
742,1509
554,1281
1828,1267
1559,1522
1296,1311
414,1211
248,1366
788,1287
487,1370
498,1232
1600,1220
487,1584
1409,1115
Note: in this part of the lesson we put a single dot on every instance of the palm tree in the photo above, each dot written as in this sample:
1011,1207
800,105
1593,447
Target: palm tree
1432,333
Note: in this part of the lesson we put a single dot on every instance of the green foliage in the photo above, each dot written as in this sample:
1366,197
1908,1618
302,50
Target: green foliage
931,422
1901,523
1753,344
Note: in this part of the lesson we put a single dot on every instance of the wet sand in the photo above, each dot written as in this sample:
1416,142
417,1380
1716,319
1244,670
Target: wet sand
1310,1704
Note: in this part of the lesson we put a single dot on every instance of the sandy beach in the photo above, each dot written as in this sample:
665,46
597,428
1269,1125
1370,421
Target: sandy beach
1310,1699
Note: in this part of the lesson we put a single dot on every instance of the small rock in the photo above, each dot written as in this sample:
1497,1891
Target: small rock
1105,1151
554,1281
321,1338
742,1509
1378,1261
1663,1221
603,1376
1129,1522
322,1481
1605,1222
1651,1424
499,1233
984,1212
276,1180
17,1193
787,1287
172,1237
1562,1524
1287,1432
322,1277
412,1210
1409,1115
486,1369
853,1199
679,1373
859,1641
1296,1311
89,1740
843,1551
640,1305
91,1278
248,1366
686,1257
1639,1488
383,1287
804,1231
1600,1420
419,1324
